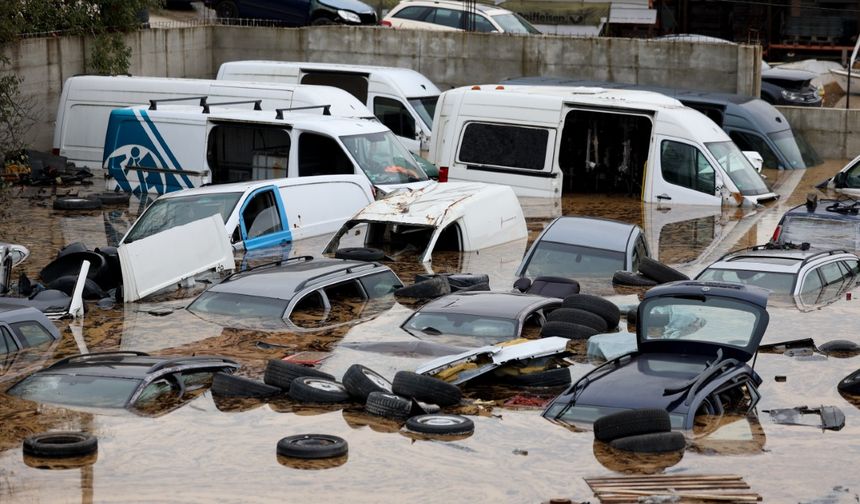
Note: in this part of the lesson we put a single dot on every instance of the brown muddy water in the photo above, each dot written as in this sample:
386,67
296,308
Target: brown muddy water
207,450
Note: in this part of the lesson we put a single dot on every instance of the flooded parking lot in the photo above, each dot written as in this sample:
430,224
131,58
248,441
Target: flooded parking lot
208,450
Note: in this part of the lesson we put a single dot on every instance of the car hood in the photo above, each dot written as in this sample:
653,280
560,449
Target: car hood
350,5
784,74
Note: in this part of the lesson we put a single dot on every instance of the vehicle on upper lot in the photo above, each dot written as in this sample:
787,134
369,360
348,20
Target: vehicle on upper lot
89,99
783,86
297,13
301,293
401,98
474,318
144,384
440,217
261,214
575,247
847,181
547,140
167,148
448,15
24,327
823,224
694,340
752,123
818,276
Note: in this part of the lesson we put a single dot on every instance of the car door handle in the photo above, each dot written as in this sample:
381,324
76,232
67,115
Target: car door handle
664,196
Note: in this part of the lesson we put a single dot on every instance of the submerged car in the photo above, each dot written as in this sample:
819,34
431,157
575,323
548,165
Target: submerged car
824,224
24,327
847,181
783,86
694,340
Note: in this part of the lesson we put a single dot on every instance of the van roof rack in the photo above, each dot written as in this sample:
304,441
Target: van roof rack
153,104
279,113
205,105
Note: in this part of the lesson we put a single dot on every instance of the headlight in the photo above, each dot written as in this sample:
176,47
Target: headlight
792,95
352,17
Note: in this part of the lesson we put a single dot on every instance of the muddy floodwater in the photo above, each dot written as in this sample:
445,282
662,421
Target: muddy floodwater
209,450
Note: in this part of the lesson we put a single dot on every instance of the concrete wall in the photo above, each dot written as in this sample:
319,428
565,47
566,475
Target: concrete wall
834,133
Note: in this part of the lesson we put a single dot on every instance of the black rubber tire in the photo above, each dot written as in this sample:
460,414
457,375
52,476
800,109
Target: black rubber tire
567,330
312,446
73,203
631,423
579,316
359,254
111,275
322,21
838,346
632,279
226,9
425,388
388,405
478,287
67,283
656,442
360,381
114,198
71,248
597,305
70,265
659,272
440,424
551,378
850,384
281,373
632,315
432,288
227,385
312,389
60,445
459,281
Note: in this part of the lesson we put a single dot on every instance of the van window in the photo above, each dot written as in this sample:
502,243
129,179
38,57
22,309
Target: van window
233,150
354,84
261,215
394,115
383,158
752,142
321,155
686,166
502,145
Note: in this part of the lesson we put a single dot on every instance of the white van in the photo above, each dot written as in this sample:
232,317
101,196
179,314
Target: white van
164,148
546,141
403,99
87,100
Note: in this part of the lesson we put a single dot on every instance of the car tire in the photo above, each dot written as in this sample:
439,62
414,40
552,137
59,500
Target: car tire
74,203
312,446
440,424
428,289
595,304
478,287
360,381
226,9
70,265
312,389
850,384
425,388
114,198
567,330
322,21
227,385
579,316
659,272
631,423
632,279
281,373
388,405
656,442
359,254
839,348
551,378
67,284
60,445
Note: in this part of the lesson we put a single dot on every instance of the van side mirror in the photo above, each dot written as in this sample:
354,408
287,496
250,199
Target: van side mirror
840,179
755,159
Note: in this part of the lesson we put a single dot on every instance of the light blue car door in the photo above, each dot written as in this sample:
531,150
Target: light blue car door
263,221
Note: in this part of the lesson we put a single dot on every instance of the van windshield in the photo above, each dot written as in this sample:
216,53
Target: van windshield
426,108
167,213
735,164
383,159
799,153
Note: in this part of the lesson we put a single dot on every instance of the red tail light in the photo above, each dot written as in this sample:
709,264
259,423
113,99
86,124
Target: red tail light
776,233
385,22
55,151
443,174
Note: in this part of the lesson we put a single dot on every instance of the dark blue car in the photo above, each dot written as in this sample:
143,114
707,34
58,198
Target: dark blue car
297,12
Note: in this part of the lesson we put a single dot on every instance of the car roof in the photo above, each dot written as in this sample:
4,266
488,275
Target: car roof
484,8
487,303
590,232
774,260
820,210
128,365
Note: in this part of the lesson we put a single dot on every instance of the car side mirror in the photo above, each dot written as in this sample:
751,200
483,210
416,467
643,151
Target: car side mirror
522,284
840,179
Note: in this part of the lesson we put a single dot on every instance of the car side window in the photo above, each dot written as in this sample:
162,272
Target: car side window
448,17
32,333
852,176
831,273
686,166
412,13
321,155
7,342
811,283
380,284
853,266
482,24
261,215
394,115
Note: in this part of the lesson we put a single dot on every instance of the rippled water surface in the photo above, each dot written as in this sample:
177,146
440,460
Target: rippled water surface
224,451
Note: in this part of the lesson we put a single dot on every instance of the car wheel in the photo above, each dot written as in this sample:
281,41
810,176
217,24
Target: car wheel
60,445
579,316
281,374
227,9
631,423
432,288
312,446
659,272
70,265
595,304
323,21
566,330
632,279
850,384
358,253
657,442
67,284
440,424
388,405
551,378
114,198
361,381
226,385
425,388
318,390
72,203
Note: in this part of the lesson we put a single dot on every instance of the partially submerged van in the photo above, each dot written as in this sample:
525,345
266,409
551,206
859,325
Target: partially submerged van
164,148
87,100
403,99
547,140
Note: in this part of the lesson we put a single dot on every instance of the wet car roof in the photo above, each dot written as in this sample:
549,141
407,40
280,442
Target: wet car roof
110,366
821,210
490,304
591,232
772,260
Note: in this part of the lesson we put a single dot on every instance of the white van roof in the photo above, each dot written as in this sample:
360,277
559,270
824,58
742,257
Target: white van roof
410,83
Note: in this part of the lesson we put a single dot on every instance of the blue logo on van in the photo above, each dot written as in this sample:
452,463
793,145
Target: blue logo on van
136,146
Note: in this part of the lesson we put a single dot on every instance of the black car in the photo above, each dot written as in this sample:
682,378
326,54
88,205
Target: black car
694,340
782,86
297,12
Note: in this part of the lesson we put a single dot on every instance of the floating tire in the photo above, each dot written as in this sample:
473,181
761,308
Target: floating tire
359,254
388,405
659,272
425,388
227,385
66,284
281,373
656,442
850,384
360,381
839,348
567,330
597,305
440,424
579,316
631,423
312,446
632,279
114,198
552,378
70,265
60,445
428,289
312,389
74,203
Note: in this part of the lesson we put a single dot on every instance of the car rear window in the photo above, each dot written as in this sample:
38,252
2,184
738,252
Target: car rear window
821,232
32,333
240,305
715,320
778,283
573,261
483,329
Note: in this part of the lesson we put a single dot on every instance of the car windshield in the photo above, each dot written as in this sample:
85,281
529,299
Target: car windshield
485,329
821,232
572,261
707,319
777,283
239,305
77,390
585,414
426,108
514,23
167,213
738,168
795,148
383,159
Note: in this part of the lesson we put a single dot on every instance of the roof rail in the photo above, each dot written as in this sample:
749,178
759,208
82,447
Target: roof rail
267,265
80,357
189,359
348,269
257,104
786,246
153,104
279,113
